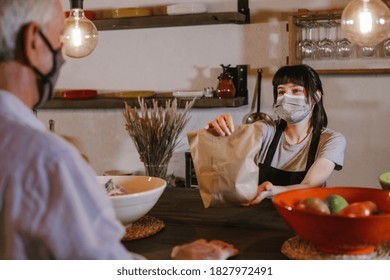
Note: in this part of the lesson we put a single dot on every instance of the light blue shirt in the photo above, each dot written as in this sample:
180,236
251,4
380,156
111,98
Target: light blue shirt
51,204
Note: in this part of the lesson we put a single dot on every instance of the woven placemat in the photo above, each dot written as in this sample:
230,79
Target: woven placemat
144,227
297,248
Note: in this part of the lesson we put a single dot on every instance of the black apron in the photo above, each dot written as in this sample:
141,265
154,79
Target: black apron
280,177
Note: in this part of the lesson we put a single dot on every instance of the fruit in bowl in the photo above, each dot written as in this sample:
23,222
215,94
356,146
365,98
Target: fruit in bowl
341,232
384,180
139,195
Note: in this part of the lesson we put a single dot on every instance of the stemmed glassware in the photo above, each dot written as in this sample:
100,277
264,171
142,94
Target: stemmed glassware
344,47
326,46
386,47
322,38
301,36
368,51
307,47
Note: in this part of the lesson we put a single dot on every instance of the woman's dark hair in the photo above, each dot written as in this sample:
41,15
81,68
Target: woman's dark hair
307,77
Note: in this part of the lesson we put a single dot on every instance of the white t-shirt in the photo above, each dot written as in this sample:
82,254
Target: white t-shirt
293,158
51,204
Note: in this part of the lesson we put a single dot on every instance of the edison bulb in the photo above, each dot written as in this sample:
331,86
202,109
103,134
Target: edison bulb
80,35
366,22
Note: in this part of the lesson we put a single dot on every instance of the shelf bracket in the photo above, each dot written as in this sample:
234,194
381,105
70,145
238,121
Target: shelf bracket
243,8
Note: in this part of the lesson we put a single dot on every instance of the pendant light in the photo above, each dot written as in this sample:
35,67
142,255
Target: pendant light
80,34
366,22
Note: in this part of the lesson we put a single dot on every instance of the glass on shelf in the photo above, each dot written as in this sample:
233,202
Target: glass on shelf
300,36
367,52
386,47
307,47
344,47
327,45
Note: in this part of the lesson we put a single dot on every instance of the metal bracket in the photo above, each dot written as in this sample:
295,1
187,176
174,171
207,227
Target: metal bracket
243,8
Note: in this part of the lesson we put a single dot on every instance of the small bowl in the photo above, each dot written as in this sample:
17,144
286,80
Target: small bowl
384,180
337,234
143,194
73,94
130,12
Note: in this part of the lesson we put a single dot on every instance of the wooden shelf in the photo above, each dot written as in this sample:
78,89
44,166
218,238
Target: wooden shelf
353,71
240,17
116,103
170,21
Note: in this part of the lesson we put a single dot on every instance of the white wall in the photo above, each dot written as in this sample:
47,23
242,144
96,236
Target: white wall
165,59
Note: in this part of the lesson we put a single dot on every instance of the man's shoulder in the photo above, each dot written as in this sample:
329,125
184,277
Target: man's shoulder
31,143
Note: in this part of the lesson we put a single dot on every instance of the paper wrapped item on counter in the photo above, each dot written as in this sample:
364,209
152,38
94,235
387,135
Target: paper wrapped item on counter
225,166
113,189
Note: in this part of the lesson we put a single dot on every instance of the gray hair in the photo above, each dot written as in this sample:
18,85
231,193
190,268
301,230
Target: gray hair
14,14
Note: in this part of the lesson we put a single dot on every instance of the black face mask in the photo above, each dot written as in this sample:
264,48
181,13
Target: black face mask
46,82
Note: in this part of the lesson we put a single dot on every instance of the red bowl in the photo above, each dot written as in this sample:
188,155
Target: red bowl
337,234
77,94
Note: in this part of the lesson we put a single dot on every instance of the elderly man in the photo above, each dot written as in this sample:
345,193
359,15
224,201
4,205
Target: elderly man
51,205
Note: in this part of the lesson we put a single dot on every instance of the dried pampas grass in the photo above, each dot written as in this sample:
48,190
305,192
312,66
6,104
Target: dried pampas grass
155,132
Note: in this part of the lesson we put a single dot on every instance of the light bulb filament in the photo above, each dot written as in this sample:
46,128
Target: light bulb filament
76,36
365,19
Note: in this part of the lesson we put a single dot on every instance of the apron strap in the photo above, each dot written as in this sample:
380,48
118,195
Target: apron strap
274,144
313,150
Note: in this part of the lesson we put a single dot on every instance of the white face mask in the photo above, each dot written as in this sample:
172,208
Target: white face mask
291,108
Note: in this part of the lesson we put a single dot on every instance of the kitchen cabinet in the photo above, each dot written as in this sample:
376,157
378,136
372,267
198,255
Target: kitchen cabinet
297,26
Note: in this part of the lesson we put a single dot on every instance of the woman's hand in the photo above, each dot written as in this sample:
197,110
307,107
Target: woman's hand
262,192
223,125
316,176
266,189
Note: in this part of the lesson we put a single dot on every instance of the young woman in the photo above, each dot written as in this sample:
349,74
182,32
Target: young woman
298,150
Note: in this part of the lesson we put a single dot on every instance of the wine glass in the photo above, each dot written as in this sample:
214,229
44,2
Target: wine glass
386,47
368,51
301,35
326,46
344,47
308,46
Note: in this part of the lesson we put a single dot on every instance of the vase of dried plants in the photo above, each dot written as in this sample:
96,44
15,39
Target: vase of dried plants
155,132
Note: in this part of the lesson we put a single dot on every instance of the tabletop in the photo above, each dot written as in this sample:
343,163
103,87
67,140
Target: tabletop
257,231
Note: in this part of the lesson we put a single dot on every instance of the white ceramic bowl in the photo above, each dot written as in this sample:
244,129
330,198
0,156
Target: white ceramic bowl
143,193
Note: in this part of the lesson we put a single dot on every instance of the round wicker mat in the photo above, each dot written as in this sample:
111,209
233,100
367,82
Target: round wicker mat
297,248
144,227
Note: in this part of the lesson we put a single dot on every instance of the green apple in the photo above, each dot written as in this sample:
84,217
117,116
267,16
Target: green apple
336,203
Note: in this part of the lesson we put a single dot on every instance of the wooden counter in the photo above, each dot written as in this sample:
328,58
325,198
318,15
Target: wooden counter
257,231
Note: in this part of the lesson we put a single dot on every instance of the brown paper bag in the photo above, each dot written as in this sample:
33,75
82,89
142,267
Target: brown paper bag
225,166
